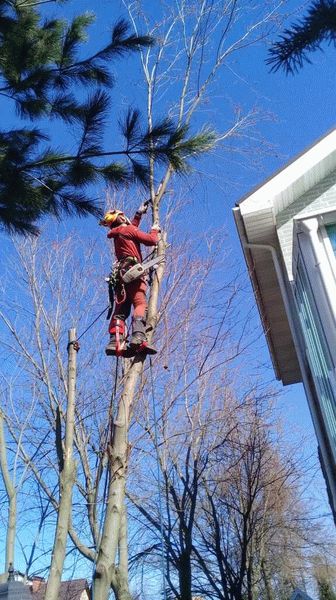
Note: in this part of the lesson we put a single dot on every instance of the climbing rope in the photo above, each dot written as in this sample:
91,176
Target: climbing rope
156,438
93,322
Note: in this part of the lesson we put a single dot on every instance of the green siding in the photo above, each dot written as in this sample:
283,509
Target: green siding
331,230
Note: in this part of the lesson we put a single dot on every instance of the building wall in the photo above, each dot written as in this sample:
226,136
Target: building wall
314,291
319,197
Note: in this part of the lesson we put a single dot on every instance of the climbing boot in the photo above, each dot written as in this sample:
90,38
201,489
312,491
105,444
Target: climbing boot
117,343
139,343
144,348
110,349
138,332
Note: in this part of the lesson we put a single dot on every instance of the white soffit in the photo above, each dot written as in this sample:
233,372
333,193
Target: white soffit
292,181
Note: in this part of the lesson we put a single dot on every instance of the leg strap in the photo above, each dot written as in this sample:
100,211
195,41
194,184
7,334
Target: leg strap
118,329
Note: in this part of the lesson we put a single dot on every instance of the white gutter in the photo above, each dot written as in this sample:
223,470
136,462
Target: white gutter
283,289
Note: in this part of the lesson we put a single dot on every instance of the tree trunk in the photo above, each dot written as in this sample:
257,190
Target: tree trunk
120,580
67,480
107,573
185,577
11,530
268,588
11,495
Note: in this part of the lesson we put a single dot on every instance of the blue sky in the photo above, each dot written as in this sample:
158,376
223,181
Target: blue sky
294,112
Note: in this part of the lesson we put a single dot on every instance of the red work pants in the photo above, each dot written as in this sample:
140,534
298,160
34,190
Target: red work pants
135,295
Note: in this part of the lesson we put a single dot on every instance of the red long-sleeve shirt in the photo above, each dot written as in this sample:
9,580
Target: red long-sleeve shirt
127,239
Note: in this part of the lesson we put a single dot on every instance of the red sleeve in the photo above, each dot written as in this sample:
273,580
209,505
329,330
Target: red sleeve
148,239
112,233
133,233
136,219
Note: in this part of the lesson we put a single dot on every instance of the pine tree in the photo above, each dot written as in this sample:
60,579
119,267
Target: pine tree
43,74
308,35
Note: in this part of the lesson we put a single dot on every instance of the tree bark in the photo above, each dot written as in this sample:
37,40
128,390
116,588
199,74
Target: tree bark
67,480
265,577
11,495
185,576
107,572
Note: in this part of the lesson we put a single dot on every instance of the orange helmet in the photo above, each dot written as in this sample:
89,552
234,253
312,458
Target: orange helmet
110,217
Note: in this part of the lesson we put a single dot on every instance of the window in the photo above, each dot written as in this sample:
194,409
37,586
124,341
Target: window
331,231
317,349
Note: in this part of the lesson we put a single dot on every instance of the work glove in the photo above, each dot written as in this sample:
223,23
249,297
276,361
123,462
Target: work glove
143,208
156,226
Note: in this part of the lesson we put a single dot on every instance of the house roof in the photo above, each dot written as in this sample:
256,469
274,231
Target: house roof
14,590
70,590
297,176
255,217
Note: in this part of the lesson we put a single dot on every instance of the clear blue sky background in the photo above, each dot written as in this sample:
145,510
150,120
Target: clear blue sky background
299,110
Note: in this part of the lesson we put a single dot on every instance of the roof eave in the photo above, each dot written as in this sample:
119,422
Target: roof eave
256,289
319,148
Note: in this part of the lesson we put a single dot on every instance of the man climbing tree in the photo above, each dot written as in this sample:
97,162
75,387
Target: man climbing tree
196,40
127,239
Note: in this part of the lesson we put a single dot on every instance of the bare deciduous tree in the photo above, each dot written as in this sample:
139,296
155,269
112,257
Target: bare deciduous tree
196,39
210,440
11,495
47,284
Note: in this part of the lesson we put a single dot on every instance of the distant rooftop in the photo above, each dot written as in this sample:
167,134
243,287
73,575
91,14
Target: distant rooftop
14,590
77,589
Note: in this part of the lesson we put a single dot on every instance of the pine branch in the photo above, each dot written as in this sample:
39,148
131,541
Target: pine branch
116,173
74,35
64,106
40,72
31,189
179,149
121,43
36,60
93,114
295,45
131,128
140,172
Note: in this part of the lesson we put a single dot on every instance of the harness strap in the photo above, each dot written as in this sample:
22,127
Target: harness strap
117,334
119,350
122,296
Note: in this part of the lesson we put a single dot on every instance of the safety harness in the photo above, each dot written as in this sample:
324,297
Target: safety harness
120,325
125,271
115,281
139,269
